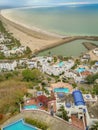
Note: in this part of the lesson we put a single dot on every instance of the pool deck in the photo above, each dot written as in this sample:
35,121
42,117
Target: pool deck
62,85
55,123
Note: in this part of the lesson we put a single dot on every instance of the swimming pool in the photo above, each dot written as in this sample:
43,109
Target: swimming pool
79,70
30,107
64,90
60,64
19,125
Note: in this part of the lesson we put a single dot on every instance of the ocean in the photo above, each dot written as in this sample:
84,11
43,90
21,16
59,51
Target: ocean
64,20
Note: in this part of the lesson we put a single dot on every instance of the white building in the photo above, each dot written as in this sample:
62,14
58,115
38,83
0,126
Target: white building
31,64
7,65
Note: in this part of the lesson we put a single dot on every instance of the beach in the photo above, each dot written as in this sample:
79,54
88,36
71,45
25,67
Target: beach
33,38
36,39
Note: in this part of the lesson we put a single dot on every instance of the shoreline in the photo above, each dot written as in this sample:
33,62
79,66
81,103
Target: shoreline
37,32
38,39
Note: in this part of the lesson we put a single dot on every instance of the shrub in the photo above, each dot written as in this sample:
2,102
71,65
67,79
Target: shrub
36,123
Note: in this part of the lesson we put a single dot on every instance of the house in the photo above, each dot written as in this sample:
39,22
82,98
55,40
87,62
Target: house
7,65
31,64
85,57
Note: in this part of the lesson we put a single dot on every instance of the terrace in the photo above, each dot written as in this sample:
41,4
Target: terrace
68,88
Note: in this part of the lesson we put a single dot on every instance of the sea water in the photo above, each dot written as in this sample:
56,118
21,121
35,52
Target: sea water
65,20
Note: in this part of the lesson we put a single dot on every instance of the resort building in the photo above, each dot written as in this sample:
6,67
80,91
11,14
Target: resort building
16,50
85,57
7,65
31,64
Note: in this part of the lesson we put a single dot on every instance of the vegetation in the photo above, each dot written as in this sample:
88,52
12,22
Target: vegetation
63,113
95,126
11,43
11,93
91,78
2,56
36,123
8,75
92,62
74,85
95,89
2,29
31,75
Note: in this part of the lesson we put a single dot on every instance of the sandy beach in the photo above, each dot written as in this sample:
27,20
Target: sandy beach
34,37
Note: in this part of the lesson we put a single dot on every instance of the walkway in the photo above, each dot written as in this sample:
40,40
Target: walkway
54,123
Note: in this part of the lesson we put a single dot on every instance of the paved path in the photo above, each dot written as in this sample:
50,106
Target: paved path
54,123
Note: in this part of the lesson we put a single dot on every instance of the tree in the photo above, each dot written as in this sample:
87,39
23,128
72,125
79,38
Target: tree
30,75
95,126
91,78
27,75
95,89
64,113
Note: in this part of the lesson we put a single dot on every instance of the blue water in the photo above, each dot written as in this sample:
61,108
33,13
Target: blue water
79,70
64,90
65,20
19,125
30,107
60,64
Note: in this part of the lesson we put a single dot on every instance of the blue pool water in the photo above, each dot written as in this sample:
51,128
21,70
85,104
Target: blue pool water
64,90
19,125
30,107
79,70
60,64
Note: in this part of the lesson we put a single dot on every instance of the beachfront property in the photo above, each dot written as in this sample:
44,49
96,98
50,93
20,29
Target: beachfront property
16,50
85,57
57,68
7,65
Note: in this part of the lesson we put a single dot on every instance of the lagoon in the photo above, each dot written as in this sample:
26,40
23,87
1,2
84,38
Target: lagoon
74,48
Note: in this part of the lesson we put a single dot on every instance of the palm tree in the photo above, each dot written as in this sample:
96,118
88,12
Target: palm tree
95,126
